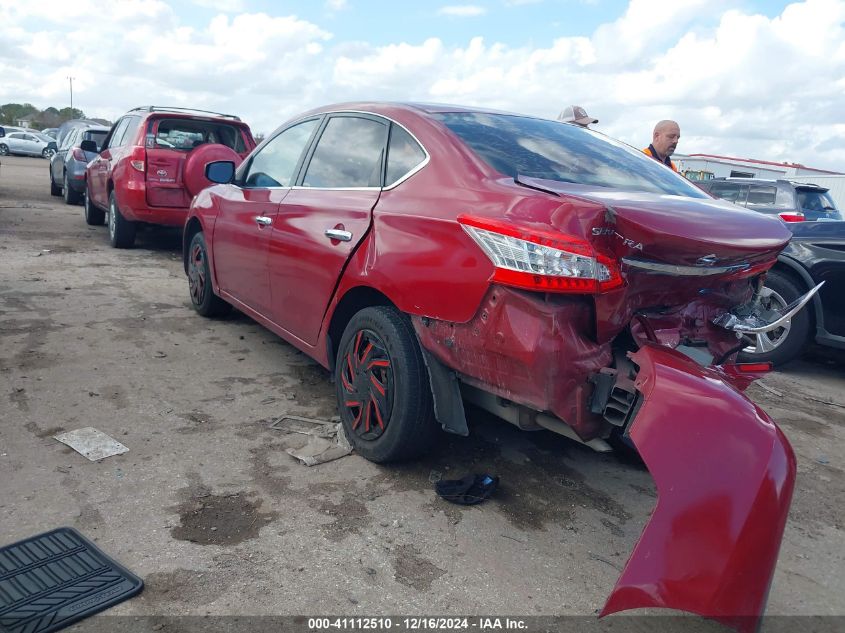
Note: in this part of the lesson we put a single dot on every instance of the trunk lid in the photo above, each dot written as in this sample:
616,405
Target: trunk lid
673,230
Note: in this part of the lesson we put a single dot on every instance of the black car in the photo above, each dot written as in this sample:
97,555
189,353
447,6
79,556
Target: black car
791,201
816,253
67,166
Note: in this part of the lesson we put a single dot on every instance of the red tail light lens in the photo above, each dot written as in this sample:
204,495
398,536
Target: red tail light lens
791,216
79,155
542,260
138,158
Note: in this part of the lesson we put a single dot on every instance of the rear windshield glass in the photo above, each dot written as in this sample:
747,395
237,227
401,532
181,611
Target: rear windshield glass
186,134
539,148
95,135
815,200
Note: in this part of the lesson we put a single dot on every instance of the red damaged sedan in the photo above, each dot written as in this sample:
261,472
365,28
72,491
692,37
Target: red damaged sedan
431,255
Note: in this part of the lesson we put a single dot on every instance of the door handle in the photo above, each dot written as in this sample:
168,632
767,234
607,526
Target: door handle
338,234
263,220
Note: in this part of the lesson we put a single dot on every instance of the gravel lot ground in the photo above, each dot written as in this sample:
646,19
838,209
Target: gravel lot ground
209,509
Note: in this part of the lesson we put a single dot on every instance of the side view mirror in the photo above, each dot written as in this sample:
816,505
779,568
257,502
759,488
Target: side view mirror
89,146
2,131
220,171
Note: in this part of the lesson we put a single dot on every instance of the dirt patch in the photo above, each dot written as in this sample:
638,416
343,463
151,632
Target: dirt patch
411,570
198,422
19,398
350,514
221,519
266,469
190,586
37,431
116,395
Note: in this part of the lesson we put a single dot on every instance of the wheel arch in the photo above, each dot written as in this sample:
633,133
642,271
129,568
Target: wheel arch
193,227
354,300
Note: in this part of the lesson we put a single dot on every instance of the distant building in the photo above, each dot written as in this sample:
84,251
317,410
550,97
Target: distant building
706,166
26,121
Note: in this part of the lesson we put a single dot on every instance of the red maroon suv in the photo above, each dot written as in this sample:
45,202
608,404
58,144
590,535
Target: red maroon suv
151,165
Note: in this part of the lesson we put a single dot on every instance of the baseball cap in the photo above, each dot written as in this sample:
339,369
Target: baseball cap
576,114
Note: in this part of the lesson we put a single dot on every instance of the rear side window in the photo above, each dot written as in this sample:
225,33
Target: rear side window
762,196
403,155
70,139
274,164
186,134
349,154
730,191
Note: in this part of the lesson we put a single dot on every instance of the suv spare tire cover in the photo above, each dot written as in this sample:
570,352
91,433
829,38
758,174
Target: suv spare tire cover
193,173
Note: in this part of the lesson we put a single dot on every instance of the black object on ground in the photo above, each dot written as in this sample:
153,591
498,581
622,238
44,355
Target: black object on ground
468,490
52,580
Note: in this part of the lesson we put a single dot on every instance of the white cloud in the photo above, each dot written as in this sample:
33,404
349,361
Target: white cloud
336,5
462,10
225,6
739,84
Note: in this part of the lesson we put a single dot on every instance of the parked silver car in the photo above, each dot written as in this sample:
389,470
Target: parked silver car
27,144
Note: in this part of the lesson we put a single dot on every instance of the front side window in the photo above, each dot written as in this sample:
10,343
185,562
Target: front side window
538,148
348,154
403,154
275,164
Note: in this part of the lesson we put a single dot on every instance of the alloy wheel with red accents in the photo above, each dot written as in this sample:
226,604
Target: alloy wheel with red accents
383,391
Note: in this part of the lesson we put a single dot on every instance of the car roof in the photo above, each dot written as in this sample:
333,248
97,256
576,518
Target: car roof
794,183
387,108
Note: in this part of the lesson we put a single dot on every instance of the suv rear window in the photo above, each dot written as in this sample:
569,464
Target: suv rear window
539,148
186,134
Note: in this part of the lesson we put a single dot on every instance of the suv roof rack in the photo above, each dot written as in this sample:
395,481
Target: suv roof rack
178,110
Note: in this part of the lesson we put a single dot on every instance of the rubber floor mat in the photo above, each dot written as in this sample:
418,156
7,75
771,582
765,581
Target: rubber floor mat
52,580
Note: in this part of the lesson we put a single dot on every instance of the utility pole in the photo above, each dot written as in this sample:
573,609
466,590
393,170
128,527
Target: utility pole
70,79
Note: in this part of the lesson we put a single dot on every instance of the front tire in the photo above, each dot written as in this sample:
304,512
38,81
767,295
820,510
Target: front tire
203,299
121,230
70,196
784,344
93,215
382,386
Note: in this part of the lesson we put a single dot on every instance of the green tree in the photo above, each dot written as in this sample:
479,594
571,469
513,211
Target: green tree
11,112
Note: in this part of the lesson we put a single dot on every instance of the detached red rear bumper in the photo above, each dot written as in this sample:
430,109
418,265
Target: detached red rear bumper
724,475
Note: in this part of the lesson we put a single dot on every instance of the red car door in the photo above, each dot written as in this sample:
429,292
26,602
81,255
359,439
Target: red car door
100,167
247,213
321,221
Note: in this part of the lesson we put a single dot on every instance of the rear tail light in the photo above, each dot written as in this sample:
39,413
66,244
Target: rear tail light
542,260
78,154
138,158
791,216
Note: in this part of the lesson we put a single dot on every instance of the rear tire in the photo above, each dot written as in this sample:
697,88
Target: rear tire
93,215
4,149
382,387
784,344
203,298
71,196
121,231
55,190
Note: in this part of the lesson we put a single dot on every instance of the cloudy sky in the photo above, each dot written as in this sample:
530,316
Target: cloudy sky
750,78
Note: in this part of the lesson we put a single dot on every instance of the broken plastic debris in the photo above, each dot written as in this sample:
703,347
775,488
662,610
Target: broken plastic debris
328,441
755,323
91,443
